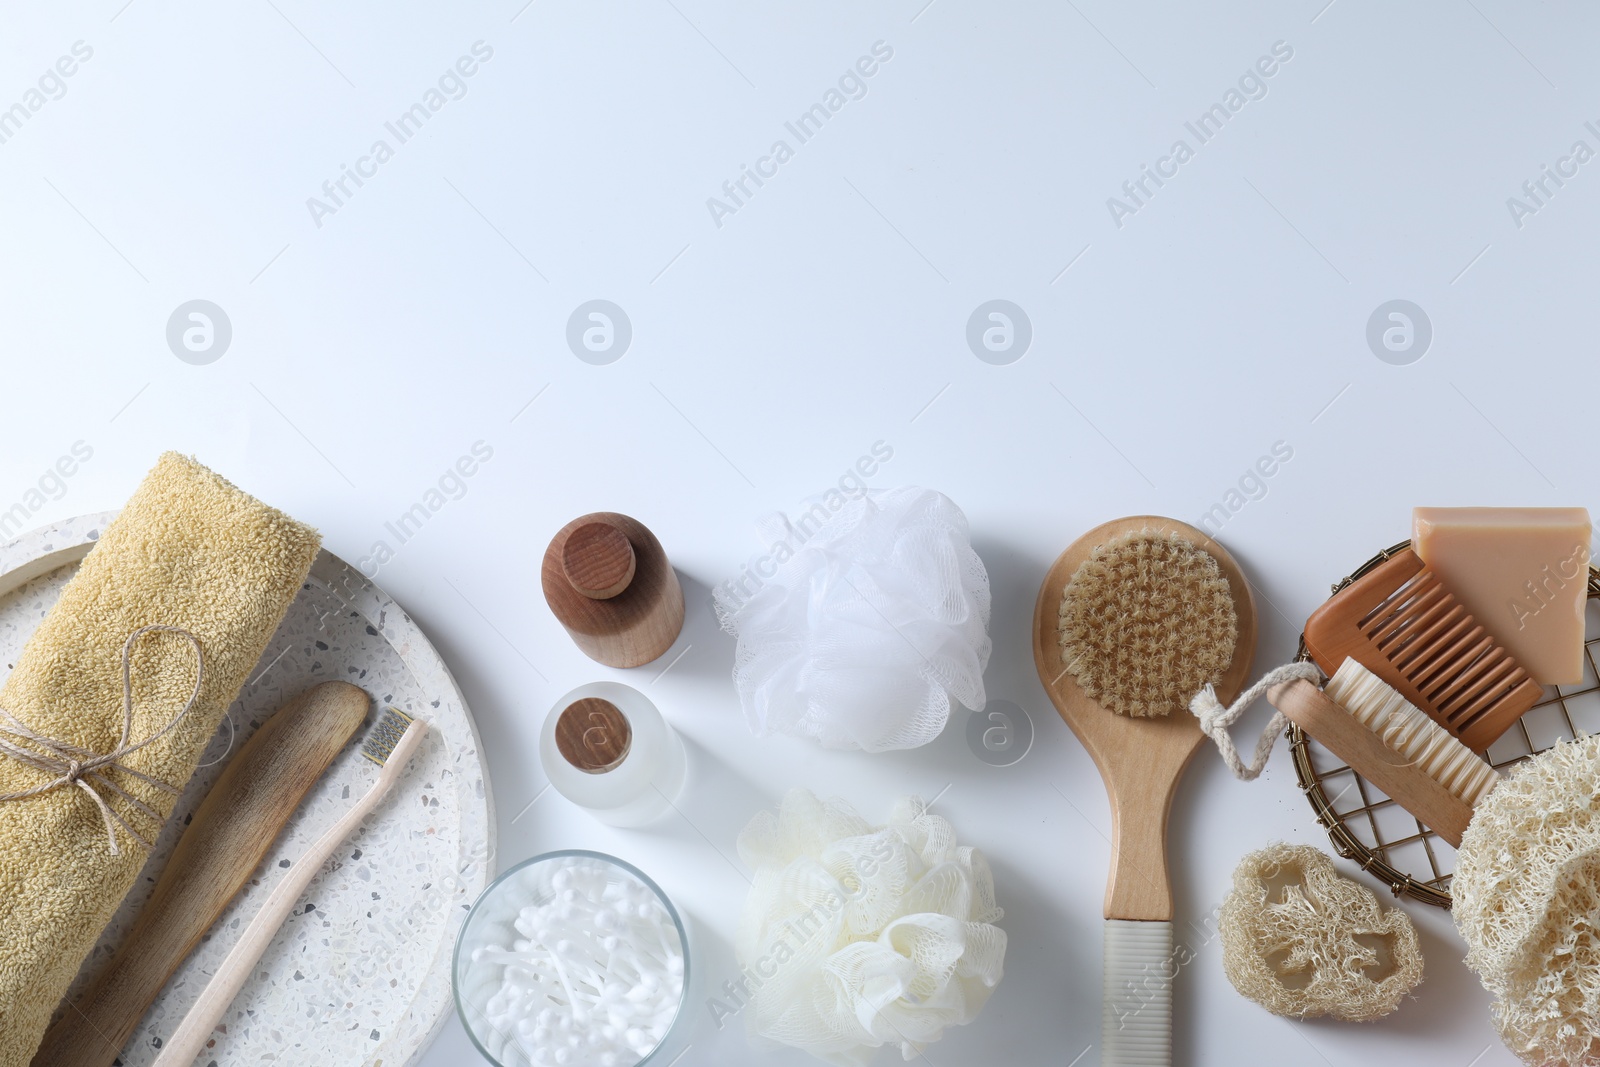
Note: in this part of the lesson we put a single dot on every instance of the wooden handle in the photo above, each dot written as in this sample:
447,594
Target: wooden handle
1138,886
229,835
191,1035
1365,752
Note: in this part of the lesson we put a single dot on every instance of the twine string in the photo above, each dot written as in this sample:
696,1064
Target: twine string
1215,719
75,767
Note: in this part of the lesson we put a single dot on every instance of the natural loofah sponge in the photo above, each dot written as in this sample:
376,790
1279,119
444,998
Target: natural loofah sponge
875,622
1300,940
1147,621
856,936
1525,896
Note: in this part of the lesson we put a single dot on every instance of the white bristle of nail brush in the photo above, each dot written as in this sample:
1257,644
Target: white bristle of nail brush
1409,731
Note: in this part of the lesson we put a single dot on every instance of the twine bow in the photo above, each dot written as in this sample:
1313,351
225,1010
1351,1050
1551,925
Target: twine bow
78,767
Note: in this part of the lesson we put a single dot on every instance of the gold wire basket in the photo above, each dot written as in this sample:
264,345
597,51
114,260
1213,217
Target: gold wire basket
1386,840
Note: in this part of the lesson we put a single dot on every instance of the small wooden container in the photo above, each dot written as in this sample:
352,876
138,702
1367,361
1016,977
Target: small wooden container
610,584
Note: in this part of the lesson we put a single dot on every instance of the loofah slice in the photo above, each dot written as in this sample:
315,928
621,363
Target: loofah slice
1147,621
1301,941
1525,896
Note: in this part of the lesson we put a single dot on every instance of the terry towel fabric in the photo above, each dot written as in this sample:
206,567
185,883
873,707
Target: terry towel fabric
189,550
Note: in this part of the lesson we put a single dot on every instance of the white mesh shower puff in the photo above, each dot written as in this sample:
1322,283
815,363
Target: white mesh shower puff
877,618
856,936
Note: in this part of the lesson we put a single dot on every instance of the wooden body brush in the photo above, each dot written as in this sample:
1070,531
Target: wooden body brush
1141,756
1400,623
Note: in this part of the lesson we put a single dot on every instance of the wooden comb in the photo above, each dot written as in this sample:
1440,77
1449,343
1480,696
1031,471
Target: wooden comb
1402,624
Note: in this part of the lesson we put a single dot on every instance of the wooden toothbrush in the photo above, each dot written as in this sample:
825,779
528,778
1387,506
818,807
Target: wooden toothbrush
1141,761
391,742
230,833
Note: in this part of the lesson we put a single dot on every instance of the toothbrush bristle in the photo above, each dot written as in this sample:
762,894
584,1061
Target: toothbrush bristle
384,735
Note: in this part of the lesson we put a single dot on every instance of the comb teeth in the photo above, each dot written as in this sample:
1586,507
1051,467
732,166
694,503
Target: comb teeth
385,733
1432,640
1401,623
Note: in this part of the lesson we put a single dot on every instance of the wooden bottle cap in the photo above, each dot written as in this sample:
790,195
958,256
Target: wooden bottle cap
598,560
593,735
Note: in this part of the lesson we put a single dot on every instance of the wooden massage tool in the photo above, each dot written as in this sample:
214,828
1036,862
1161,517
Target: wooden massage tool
1140,758
231,832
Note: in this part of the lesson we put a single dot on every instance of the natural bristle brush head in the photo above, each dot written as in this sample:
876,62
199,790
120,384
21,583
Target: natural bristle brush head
1146,622
384,735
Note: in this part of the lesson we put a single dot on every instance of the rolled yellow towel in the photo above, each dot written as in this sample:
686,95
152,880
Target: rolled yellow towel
191,551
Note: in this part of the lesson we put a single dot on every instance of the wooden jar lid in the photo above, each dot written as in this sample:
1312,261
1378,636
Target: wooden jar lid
593,735
598,560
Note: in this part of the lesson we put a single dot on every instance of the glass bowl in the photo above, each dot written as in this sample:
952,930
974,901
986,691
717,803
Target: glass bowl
479,968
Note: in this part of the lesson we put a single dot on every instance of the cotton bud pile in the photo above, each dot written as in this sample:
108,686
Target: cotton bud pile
595,978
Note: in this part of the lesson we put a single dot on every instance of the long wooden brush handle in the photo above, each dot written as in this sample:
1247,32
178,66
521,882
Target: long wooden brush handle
191,1035
231,831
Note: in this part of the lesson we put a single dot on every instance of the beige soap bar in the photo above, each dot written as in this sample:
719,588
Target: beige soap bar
1521,572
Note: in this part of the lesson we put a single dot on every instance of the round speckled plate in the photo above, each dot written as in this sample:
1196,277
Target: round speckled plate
360,974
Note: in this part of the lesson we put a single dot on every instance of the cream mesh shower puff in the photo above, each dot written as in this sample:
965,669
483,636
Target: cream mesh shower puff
1301,940
856,936
875,621
1526,898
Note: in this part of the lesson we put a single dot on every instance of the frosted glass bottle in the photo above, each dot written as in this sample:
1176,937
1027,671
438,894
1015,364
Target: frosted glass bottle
606,748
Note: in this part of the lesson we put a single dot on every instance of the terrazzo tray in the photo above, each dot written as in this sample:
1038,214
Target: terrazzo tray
360,974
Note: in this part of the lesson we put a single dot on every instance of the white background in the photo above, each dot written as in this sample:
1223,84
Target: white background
828,313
